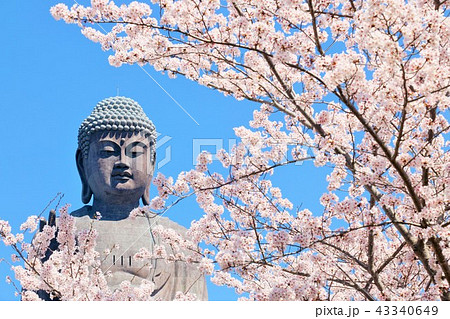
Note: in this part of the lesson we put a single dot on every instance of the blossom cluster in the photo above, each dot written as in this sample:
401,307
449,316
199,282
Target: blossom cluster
69,271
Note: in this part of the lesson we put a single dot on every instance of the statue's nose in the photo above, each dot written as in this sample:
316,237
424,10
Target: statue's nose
121,164
122,161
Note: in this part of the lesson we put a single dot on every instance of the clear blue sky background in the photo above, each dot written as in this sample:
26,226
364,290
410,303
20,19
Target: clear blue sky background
52,77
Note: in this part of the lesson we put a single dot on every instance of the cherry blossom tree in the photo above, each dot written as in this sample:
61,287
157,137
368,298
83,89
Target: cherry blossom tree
62,263
363,87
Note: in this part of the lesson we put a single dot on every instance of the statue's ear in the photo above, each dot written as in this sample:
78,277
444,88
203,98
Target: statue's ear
86,192
146,196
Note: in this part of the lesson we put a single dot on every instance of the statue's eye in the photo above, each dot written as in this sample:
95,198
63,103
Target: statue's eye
135,153
135,150
107,151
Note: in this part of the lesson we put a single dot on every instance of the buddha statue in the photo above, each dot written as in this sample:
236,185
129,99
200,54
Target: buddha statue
115,159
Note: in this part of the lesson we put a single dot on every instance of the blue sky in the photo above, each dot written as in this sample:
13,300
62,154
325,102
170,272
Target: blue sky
52,77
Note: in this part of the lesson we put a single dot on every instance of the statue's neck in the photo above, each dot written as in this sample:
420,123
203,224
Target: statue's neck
113,211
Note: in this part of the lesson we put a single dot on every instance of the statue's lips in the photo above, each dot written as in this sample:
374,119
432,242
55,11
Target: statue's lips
124,176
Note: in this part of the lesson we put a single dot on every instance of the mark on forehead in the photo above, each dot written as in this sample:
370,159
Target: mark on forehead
122,141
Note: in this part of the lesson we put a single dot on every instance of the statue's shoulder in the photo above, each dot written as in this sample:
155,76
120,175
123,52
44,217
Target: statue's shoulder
83,211
168,223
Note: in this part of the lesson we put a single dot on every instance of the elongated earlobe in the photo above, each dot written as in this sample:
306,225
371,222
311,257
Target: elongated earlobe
146,196
86,192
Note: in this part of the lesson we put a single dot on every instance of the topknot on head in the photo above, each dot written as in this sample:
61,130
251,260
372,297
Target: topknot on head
115,114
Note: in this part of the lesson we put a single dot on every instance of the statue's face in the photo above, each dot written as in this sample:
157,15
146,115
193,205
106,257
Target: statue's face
118,167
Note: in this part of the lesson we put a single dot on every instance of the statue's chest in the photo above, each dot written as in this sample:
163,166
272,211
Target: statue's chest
118,242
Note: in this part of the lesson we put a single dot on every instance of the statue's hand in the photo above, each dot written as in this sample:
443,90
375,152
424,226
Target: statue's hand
53,243
51,220
53,246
